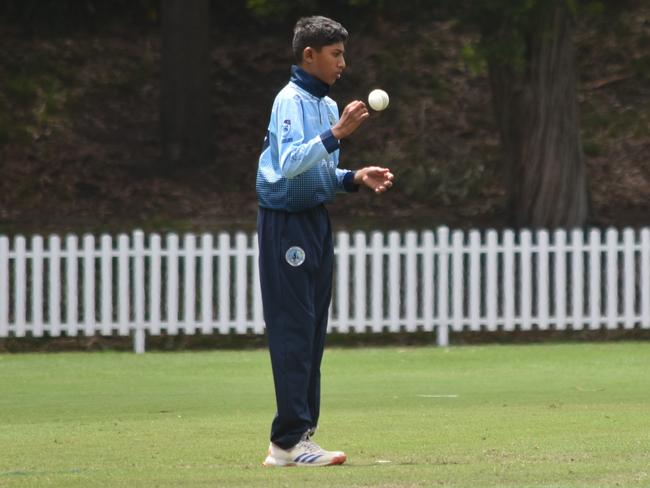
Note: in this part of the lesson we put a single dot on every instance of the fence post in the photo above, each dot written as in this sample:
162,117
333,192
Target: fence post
443,287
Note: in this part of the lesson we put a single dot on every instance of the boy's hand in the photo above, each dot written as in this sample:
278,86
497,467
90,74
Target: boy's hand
353,116
377,179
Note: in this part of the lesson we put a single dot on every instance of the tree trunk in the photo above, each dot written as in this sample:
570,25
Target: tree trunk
185,98
537,116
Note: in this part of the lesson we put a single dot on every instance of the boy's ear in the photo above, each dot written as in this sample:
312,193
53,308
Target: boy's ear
308,54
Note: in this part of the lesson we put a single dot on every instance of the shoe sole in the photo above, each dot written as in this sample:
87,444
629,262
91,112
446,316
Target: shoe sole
270,462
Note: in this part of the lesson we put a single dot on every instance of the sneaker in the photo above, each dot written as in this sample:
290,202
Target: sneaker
305,453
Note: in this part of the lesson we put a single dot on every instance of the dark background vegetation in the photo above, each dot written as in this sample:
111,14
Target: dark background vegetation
80,102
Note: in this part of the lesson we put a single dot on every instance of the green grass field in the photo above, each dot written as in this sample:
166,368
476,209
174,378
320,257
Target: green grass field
541,415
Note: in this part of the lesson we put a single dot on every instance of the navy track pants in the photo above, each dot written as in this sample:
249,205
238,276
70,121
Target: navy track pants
296,264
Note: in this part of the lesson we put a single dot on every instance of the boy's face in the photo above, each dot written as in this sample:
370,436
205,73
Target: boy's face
327,64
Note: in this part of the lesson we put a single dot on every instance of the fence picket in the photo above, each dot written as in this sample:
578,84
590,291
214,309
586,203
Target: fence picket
124,310
206,283
560,277
342,282
106,271
458,280
138,286
89,284
629,277
594,279
475,280
258,315
427,281
443,287
37,286
360,281
612,278
525,279
54,297
224,281
4,286
155,284
241,280
411,292
509,290
542,279
394,281
645,278
577,279
189,284
377,294
20,284
492,288
71,311
172,319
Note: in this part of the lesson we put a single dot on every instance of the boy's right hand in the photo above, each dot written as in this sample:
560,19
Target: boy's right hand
353,116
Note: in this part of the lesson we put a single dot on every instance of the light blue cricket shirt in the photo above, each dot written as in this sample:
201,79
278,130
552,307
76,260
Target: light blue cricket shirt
298,167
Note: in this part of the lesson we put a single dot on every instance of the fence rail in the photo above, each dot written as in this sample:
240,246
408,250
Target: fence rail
430,281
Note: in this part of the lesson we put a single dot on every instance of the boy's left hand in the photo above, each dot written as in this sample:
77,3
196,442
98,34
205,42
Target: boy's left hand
374,177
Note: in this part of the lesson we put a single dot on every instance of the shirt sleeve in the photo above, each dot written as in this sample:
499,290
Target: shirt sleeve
346,181
298,155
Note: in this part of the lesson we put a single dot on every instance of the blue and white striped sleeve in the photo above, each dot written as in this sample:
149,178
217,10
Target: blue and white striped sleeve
296,154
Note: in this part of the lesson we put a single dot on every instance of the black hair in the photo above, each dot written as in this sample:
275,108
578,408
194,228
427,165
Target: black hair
316,32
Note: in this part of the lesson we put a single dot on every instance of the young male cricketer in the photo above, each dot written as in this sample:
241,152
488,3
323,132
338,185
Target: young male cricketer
298,173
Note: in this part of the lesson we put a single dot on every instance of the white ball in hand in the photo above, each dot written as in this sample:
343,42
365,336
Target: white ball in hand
378,99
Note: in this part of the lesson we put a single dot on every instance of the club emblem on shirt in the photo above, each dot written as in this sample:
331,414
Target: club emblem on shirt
286,127
295,256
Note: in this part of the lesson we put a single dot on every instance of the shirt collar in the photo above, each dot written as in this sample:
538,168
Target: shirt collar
308,82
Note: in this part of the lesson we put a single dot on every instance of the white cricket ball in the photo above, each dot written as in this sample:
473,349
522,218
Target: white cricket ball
378,99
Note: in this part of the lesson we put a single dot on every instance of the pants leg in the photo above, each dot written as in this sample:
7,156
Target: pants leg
290,312
323,298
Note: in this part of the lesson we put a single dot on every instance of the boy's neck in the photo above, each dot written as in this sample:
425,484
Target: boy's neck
308,82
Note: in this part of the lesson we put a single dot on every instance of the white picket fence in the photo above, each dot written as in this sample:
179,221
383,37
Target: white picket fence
429,281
